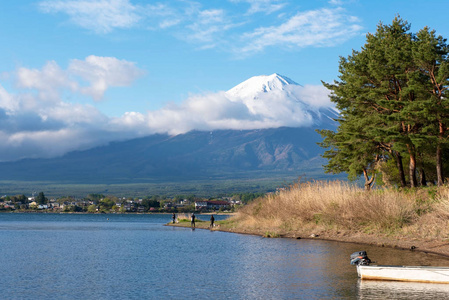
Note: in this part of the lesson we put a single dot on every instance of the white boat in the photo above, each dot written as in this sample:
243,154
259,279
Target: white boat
398,273
404,273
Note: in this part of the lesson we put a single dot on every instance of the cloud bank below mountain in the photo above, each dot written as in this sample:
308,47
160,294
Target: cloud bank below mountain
38,118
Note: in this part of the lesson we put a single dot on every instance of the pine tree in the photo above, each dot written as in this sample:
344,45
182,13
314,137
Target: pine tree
41,199
392,96
430,55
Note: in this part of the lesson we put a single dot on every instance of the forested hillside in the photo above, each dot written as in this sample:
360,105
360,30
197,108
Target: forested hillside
194,155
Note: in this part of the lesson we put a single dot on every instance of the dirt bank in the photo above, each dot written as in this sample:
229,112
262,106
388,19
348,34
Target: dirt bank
428,246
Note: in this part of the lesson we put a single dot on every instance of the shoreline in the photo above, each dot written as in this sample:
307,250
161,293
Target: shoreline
434,247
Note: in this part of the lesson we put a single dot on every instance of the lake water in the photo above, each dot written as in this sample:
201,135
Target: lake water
65,256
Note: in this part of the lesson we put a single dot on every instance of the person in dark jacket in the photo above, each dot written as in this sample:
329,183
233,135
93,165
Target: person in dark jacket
192,220
212,219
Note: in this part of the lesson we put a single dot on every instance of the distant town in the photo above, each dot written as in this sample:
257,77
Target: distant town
98,203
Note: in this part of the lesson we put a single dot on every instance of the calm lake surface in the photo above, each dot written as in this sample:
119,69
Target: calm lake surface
68,256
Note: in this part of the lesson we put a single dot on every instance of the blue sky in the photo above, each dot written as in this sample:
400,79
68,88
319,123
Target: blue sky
80,73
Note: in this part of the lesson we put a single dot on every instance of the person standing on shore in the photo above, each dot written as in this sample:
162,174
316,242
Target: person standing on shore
174,218
192,220
212,219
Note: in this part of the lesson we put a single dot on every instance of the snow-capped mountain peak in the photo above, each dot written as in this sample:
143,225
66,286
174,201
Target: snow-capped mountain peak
278,97
251,88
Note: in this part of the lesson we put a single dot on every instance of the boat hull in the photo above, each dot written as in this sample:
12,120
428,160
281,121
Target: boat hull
404,273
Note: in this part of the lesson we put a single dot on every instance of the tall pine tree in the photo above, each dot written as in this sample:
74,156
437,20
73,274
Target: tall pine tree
430,55
392,98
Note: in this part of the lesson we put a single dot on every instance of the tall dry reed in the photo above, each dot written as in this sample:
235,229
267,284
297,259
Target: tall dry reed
341,205
434,217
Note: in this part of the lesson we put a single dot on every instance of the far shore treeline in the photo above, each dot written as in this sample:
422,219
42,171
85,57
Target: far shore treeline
393,99
99,203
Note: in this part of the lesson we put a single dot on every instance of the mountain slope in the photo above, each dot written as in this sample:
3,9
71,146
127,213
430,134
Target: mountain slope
195,155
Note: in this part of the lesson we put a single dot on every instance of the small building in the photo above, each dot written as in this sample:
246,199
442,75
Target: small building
201,204
217,204
212,205
235,202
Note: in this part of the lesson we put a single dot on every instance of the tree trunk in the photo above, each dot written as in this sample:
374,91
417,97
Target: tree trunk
422,177
439,156
412,170
368,181
400,167
439,163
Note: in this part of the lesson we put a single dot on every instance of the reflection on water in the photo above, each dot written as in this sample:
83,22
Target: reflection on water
136,257
372,289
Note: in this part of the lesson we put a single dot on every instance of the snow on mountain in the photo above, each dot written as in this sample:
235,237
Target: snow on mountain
251,88
277,97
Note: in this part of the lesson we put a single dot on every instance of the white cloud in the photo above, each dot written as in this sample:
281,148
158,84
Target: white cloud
164,15
297,107
104,72
100,73
316,28
209,27
201,112
265,6
73,114
218,27
48,81
317,96
101,16
33,127
35,121
7,101
208,23
169,23
43,143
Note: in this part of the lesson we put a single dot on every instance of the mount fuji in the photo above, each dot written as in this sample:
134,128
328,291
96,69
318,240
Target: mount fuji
277,96
282,152
253,87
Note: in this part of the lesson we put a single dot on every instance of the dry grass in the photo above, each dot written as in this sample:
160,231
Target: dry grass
341,206
183,217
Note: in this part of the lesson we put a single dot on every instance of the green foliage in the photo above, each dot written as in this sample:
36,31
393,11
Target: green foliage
147,203
432,192
183,220
41,199
107,203
20,199
317,218
92,208
187,208
72,208
392,95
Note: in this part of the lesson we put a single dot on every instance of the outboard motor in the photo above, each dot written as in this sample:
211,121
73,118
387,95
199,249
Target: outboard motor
360,258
